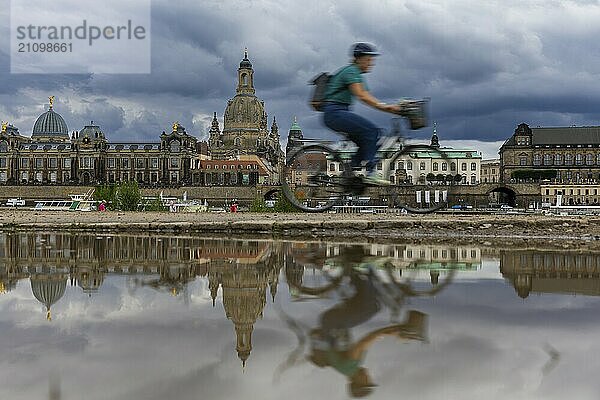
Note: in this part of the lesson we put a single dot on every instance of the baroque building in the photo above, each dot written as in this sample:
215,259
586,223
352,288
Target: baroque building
411,168
245,152
554,154
245,126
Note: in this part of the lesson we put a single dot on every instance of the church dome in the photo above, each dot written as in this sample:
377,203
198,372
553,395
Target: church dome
244,112
48,288
50,124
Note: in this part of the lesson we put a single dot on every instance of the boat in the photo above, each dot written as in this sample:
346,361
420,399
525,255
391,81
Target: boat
15,202
77,202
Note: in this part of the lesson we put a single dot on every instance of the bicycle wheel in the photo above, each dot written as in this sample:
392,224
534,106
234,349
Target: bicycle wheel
314,178
424,178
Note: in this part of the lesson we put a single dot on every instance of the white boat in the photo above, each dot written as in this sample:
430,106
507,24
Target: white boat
78,202
15,202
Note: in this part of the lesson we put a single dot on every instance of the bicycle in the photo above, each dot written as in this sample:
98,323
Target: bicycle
318,175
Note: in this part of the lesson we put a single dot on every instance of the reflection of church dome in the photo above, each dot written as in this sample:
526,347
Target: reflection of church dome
50,124
523,285
90,280
48,288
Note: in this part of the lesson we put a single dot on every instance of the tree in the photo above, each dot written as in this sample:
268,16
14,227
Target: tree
430,177
457,178
440,177
128,196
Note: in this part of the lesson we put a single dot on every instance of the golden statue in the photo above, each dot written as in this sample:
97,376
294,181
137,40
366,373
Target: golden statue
4,125
51,98
175,126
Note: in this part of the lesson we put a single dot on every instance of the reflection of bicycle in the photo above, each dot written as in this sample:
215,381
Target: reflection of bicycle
365,284
392,284
319,175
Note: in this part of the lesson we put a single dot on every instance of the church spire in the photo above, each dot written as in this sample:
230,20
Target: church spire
435,142
245,76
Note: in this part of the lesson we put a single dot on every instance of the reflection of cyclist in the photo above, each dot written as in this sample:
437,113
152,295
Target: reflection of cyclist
346,84
332,346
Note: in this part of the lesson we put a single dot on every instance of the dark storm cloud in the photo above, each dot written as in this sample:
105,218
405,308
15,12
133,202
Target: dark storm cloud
487,66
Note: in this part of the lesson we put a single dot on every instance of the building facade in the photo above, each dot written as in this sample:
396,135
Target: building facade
418,167
568,155
245,152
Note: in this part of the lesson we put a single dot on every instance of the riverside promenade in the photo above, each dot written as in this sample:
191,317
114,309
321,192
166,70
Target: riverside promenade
442,226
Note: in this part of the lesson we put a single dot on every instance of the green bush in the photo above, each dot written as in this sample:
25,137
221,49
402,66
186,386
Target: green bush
258,205
128,196
155,205
283,205
106,193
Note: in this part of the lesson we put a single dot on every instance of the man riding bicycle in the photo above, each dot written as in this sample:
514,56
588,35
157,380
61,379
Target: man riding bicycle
345,85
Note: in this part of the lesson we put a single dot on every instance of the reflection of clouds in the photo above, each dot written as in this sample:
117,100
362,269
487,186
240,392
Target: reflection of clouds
484,342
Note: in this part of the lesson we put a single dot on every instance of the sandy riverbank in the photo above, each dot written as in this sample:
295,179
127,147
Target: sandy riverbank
381,226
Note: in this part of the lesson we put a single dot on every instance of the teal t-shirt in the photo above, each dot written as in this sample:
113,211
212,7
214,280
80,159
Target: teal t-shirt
338,89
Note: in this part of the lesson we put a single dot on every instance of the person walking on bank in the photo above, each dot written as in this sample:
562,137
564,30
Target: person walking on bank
349,83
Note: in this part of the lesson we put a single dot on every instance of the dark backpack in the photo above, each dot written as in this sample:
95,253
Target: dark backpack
321,83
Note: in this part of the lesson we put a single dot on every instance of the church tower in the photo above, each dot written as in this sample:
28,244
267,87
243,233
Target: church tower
245,125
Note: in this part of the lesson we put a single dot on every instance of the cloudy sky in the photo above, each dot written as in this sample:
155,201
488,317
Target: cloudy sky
487,66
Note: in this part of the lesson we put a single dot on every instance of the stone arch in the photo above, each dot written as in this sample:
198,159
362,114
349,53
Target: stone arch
271,194
503,194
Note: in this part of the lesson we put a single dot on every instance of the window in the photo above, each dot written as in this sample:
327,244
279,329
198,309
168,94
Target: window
558,159
111,163
409,165
3,147
578,159
537,159
174,146
547,159
453,166
493,171
237,141
53,177
379,166
400,165
139,163
522,160
422,166
463,166
66,162
473,166
3,176
589,159
125,162
568,159
435,166
39,163
2,162
332,167
24,162
444,166
174,163
473,179
154,162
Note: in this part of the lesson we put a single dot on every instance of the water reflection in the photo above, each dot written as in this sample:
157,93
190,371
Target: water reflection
366,284
551,271
355,314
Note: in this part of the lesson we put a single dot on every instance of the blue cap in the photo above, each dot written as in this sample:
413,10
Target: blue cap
364,49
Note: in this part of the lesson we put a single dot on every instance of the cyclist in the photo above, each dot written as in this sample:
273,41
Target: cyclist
345,85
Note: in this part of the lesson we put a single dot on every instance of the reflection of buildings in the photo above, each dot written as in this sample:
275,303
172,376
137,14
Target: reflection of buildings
243,269
433,259
551,271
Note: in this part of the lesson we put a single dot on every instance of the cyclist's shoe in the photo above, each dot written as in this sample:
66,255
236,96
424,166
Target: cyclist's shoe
376,180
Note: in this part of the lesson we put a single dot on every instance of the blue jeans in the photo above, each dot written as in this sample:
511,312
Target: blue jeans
361,131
